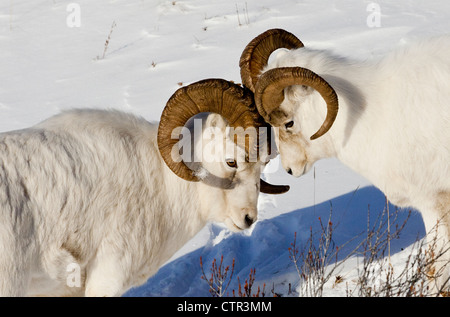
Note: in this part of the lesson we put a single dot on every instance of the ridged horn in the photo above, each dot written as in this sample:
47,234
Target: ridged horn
231,101
256,54
269,92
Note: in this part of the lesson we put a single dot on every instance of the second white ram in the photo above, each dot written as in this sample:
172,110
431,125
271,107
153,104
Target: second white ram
387,119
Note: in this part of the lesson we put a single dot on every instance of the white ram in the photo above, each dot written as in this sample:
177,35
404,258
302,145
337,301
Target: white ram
387,119
98,193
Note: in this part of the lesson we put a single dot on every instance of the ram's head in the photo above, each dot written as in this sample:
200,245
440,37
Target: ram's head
231,148
281,91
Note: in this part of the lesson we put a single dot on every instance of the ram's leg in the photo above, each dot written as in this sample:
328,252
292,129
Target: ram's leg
443,207
106,275
14,265
17,244
437,225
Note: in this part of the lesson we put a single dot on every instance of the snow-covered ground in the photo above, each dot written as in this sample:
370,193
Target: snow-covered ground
53,57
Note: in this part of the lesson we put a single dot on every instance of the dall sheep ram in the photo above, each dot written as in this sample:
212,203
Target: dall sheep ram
103,194
389,119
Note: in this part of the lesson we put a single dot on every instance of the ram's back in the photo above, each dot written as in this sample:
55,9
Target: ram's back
62,180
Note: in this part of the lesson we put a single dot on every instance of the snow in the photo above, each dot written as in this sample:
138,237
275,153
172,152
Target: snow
49,63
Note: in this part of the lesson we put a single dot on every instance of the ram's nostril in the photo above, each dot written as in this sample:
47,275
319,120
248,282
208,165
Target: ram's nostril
289,171
249,220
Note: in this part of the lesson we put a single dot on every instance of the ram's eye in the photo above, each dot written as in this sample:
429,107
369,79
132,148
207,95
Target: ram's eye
232,163
289,124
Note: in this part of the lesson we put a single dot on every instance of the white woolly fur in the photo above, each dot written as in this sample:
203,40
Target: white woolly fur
392,127
87,191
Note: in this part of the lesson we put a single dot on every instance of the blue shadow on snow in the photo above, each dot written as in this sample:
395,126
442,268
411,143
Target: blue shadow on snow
266,249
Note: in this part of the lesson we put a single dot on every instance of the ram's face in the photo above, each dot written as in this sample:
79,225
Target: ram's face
290,139
282,91
226,169
231,180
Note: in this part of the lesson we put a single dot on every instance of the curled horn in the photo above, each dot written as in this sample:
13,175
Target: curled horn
211,95
270,92
256,54
268,87
231,101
